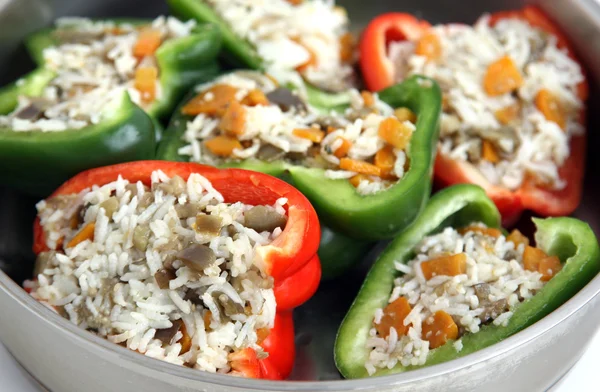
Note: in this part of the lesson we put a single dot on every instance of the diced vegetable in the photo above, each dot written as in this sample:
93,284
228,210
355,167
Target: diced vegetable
393,316
488,152
110,205
254,98
245,363
262,218
213,101
185,341
439,328
445,266
355,180
385,159
197,257
208,224
141,236
145,82
312,134
285,99
312,57
148,41
343,149
166,335
207,319
233,121
262,334
551,108
87,233
405,114
359,167
223,145
517,238
163,277
502,76
483,230
508,114
395,132
368,98
347,47
535,259
429,46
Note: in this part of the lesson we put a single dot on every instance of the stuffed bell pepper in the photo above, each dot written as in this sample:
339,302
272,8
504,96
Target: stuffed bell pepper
87,104
291,40
366,170
454,283
513,118
181,262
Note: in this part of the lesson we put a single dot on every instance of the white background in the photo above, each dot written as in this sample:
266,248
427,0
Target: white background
582,378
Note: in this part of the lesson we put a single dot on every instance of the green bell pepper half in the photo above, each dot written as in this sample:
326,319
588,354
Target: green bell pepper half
183,62
238,51
570,239
37,162
370,217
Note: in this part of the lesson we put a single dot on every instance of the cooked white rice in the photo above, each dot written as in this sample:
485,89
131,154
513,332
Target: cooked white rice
94,65
109,284
270,126
531,144
285,34
494,284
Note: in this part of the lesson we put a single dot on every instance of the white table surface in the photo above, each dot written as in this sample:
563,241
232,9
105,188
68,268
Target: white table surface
582,378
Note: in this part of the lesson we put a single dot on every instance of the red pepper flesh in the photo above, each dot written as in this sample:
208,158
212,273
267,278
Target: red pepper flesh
378,72
290,259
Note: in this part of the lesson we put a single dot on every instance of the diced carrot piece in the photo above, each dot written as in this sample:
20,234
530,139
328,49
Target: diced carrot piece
429,46
185,341
532,257
312,57
295,2
549,267
87,233
488,152
438,329
115,31
254,98
245,363
330,129
394,132
535,259
551,108
313,134
501,77
445,266
385,159
507,114
405,114
359,167
347,47
393,316
368,98
148,41
262,334
343,149
483,230
355,180
517,238
223,146
233,121
207,316
213,101
145,82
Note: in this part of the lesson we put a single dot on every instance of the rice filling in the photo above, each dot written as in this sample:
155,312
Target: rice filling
511,102
170,271
246,115
310,37
94,64
458,282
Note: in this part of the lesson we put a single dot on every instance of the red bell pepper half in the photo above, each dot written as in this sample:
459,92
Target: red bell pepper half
291,259
378,72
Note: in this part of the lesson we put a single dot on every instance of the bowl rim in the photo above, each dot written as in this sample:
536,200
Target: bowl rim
160,368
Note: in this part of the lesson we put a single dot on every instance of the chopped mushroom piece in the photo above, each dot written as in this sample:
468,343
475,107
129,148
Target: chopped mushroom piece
262,218
197,257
